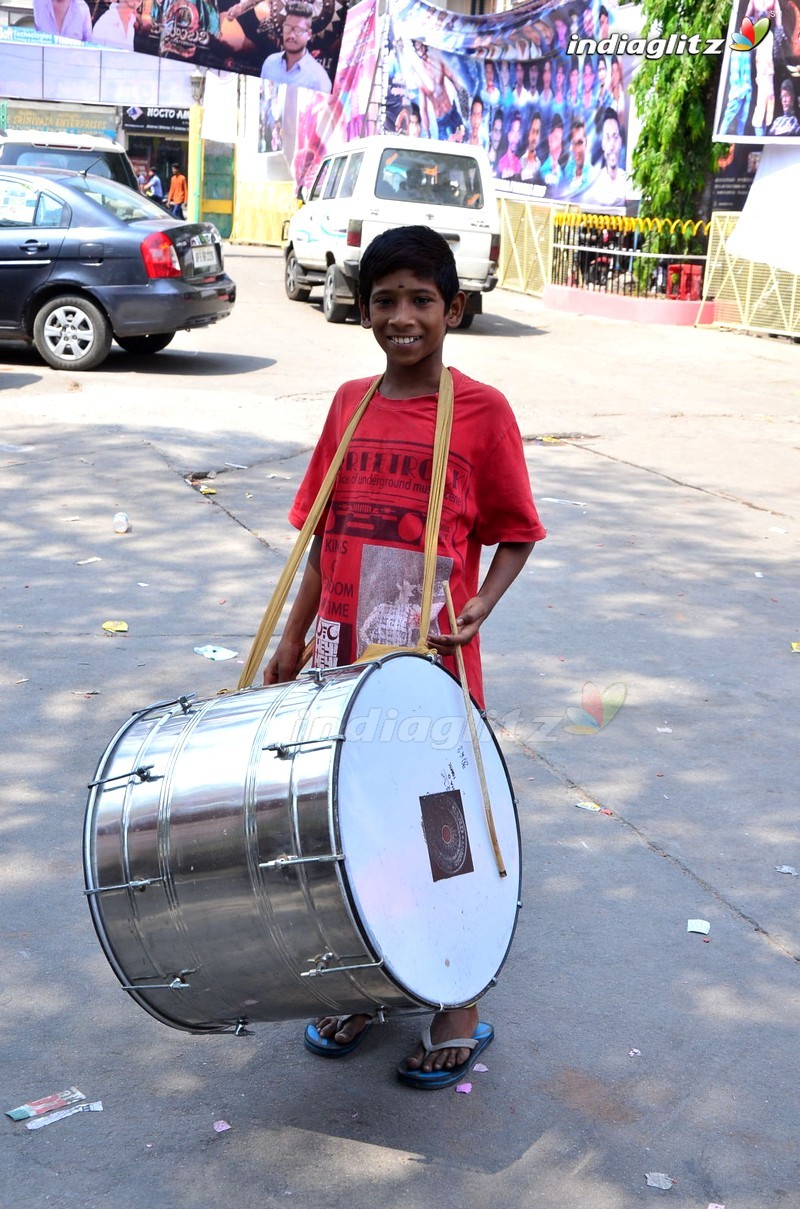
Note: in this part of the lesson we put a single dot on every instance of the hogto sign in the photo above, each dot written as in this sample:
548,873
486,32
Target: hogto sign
156,119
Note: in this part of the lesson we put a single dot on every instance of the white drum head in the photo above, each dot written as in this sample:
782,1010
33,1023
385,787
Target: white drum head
419,864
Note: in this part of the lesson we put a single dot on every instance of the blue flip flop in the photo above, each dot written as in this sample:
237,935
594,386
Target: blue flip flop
431,1080
326,1047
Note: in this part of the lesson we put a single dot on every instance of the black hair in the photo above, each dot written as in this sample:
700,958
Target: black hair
420,250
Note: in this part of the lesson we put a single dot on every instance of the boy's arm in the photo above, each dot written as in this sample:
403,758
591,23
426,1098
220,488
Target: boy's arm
509,559
284,663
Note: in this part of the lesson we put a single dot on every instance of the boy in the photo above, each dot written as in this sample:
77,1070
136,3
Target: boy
409,298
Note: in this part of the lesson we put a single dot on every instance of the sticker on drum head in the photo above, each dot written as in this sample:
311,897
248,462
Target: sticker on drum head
445,831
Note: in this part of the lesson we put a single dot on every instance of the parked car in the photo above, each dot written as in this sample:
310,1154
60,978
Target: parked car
388,181
84,260
54,149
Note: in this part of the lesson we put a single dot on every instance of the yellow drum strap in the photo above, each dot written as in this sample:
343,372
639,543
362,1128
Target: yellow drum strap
441,446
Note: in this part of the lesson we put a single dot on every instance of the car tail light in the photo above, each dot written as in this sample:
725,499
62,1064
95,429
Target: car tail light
354,233
159,256
494,250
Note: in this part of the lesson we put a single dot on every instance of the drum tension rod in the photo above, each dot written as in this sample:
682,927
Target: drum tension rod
143,773
281,862
178,983
138,883
183,702
282,749
321,967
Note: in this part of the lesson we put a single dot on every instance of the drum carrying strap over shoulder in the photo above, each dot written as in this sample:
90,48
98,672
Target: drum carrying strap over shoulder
441,447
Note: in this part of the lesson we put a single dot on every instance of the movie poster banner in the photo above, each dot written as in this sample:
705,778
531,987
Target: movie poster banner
554,123
760,82
303,125
294,42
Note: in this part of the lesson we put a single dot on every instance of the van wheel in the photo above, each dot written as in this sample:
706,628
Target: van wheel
144,345
71,333
294,291
466,321
334,311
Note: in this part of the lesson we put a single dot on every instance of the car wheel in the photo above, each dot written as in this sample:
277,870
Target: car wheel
466,321
333,310
143,345
72,333
294,291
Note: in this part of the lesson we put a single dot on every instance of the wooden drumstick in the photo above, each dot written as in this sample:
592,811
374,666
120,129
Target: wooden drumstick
476,747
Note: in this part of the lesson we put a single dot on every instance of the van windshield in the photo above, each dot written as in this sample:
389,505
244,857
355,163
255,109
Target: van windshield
434,178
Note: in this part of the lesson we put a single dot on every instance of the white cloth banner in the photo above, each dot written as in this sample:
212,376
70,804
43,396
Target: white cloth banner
768,230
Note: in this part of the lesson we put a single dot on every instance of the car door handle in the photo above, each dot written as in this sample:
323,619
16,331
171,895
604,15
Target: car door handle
31,246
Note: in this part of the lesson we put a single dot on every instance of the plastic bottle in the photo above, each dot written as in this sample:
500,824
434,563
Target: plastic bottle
121,523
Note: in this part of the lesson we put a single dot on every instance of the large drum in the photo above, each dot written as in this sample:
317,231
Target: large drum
316,847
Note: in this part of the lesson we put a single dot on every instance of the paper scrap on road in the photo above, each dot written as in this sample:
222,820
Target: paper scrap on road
466,1088
84,562
480,1067
553,499
40,1122
634,1053
796,647
657,1179
37,1108
664,730
116,627
221,1126
215,653
716,1206
236,466
208,490
699,925
790,869
593,806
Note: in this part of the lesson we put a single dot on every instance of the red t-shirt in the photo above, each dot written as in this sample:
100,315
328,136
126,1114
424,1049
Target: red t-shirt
373,532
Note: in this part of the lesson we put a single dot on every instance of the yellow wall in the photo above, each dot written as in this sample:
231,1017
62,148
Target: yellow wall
261,208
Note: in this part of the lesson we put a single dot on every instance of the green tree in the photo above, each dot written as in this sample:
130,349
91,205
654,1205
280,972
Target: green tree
675,98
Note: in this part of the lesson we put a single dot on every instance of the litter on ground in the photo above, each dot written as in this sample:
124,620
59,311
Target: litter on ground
657,1179
699,925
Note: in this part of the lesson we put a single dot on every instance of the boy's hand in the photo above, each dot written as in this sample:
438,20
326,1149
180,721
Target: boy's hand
284,664
469,621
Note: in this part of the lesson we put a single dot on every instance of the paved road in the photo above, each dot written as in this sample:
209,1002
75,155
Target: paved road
665,465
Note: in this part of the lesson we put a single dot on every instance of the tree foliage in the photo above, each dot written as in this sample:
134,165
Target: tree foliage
675,99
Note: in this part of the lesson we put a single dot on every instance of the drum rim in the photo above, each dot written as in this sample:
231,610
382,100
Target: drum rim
344,880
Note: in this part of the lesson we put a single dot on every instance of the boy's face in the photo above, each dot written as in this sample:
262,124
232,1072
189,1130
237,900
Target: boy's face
409,319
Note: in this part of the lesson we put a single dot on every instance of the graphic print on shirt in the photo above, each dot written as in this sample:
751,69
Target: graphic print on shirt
383,488
390,596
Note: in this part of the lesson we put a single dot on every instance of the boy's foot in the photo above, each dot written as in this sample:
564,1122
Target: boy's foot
335,1036
459,1022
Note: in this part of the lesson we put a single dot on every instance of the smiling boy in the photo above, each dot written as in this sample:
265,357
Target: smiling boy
366,563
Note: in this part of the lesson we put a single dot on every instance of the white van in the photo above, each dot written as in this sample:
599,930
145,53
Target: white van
386,181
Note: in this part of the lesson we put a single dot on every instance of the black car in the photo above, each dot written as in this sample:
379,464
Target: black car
84,260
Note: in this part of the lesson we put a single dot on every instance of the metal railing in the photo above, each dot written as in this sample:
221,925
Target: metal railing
637,257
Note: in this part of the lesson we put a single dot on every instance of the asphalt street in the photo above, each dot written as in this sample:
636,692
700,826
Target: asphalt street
665,466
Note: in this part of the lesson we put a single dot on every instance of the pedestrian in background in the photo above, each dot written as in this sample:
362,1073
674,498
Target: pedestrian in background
178,194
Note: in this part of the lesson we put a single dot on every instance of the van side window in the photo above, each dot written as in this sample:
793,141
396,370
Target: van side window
319,183
335,176
351,175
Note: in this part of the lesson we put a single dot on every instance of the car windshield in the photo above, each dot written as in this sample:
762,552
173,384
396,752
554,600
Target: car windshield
118,200
437,179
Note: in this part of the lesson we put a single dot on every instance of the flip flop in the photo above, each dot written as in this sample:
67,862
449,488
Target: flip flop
431,1080
326,1047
